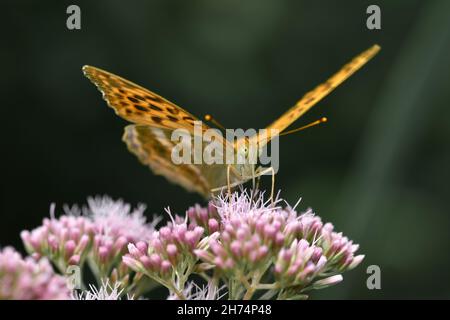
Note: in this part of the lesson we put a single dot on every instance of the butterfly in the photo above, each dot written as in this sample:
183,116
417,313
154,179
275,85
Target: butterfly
154,119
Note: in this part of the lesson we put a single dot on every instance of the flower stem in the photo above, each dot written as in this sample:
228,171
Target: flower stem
254,285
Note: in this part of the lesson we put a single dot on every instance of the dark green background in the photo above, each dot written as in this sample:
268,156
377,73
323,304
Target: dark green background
378,169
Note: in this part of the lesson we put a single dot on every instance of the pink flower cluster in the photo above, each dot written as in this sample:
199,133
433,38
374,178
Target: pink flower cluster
28,279
207,218
171,250
64,241
299,264
238,241
115,225
242,239
298,248
339,250
246,240
100,235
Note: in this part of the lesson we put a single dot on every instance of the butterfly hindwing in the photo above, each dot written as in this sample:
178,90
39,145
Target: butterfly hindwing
153,147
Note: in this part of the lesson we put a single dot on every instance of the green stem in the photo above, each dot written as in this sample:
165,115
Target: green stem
268,295
253,287
267,286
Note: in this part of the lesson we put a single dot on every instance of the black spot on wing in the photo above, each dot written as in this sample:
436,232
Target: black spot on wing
174,119
156,119
140,107
156,108
157,99
173,111
139,97
134,100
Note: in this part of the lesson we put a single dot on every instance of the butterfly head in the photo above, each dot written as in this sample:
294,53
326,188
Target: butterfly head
246,156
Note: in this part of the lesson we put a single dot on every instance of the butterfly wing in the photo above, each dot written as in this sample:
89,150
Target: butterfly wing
137,104
150,139
314,96
153,147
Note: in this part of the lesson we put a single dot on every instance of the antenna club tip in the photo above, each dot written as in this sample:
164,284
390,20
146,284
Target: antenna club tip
324,119
208,117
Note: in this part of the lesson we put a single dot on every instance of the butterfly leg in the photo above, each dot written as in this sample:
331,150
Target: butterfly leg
272,191
253,177
264,171
253,193
256,187
258,180
229,181
230,171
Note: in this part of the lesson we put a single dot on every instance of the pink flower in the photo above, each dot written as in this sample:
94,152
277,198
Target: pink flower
299,265
116,219
208,218
170,250
115,225
65,240
339,250
106,291
252,232
100,235
28,279
194,292
243,241
256,238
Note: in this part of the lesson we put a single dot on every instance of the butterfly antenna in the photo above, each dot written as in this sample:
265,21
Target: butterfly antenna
209,118
312,124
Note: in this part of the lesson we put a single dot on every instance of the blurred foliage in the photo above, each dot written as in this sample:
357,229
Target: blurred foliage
378,169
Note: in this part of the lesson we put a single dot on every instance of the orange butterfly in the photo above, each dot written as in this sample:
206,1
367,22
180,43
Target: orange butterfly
155,118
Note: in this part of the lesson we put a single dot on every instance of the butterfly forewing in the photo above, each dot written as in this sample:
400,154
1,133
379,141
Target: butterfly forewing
315,95
137,104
